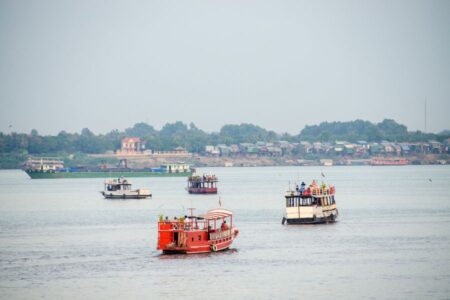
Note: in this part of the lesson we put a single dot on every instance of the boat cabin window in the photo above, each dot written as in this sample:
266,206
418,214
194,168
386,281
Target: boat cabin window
126,187
329,200
112,187
294,201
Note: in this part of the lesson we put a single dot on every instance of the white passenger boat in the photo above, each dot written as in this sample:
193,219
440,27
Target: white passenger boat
121,189
310,205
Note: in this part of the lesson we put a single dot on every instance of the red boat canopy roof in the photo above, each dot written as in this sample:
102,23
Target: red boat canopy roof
215,214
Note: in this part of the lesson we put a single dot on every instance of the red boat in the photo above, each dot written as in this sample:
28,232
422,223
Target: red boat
211,232
206,184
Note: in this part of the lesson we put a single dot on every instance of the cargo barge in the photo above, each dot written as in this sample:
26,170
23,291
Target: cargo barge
54,169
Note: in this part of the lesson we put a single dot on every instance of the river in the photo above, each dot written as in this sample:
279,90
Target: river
59,239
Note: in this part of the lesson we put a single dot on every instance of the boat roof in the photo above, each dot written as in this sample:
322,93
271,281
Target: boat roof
215,214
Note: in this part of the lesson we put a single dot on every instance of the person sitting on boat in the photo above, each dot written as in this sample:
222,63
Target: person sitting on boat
224,225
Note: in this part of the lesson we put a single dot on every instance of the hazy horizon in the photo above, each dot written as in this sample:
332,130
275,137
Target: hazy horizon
281,65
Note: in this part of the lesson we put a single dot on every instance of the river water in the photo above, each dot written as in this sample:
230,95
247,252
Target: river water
59,239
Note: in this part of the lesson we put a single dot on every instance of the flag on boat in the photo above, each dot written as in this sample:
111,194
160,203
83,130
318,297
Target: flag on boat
323,175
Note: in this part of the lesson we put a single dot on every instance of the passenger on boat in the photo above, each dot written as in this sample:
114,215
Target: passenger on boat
209,232
302,187
224,225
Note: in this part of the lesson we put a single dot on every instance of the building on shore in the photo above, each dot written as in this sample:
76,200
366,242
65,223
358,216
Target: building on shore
130,146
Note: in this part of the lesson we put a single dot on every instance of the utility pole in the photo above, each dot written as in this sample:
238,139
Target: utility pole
425,115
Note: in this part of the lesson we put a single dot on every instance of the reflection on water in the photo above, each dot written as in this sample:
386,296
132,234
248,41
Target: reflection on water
61,239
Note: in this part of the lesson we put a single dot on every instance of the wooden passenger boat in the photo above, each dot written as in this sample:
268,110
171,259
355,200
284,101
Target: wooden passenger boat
206,184
311,205
211,232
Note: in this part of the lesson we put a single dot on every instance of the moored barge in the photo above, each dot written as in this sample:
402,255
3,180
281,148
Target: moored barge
54,169
389,161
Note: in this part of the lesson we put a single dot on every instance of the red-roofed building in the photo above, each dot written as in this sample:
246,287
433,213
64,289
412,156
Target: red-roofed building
131,145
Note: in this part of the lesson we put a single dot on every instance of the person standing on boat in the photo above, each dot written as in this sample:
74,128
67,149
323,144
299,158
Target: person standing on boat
302,187
224,225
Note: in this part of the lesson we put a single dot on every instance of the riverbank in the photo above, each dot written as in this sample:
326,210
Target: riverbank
195,160
263,161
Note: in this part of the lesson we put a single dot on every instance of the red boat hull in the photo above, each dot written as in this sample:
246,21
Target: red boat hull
202,190
206,248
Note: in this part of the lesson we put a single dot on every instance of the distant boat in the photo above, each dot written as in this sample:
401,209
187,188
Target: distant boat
206,184
310,205
121,189
53,168
211,232
389,162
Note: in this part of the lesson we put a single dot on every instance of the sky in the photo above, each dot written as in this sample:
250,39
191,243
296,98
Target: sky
67,65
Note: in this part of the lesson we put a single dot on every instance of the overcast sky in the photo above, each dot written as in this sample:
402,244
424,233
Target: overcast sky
66,65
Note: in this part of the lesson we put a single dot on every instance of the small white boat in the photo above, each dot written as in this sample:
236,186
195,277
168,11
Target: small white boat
121,189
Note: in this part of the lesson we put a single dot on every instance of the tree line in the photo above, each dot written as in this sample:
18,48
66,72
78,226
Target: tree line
194,139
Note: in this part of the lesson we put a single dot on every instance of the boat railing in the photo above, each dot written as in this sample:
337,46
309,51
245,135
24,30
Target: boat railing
220,234
177,225
312,192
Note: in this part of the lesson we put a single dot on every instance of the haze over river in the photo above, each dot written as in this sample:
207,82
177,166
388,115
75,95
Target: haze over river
59,239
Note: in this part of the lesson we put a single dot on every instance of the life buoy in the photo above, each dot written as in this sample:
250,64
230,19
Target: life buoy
214,248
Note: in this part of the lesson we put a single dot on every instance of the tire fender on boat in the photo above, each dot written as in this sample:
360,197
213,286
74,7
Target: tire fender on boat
283,221
214,248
